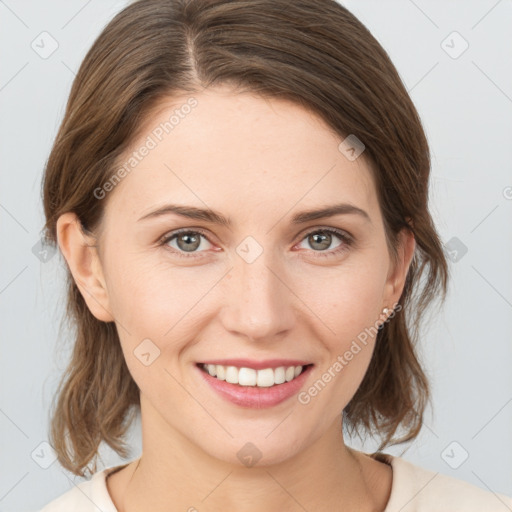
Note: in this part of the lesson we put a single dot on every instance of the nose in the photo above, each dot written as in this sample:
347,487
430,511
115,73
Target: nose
259,304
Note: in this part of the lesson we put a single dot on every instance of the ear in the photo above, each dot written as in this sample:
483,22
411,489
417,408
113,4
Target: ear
80,252
398,270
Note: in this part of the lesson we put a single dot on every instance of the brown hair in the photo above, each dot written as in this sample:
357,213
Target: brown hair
312,52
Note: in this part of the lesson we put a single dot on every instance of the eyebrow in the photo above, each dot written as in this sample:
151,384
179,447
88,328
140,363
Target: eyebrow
208,215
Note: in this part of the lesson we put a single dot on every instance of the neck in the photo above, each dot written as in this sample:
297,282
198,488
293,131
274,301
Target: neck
174,474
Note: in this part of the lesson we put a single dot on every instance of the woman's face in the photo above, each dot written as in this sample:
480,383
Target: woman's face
263,287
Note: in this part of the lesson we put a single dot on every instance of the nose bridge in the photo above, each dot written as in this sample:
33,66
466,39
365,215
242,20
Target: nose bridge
259,304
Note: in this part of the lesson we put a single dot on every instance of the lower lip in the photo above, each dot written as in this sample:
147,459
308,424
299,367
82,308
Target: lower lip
255,397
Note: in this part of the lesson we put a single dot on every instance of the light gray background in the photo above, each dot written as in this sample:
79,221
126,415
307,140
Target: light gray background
465,102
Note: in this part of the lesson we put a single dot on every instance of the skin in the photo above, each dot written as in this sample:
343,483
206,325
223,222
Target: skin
258,162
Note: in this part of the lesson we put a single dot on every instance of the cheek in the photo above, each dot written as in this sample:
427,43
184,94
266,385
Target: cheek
348,302
150,298
347,299
162,304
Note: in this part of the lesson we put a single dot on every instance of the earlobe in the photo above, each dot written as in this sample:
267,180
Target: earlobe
82,258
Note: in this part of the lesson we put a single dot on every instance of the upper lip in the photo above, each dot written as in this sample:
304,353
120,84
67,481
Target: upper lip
257,365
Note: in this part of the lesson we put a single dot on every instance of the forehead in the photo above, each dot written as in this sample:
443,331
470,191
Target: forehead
238,153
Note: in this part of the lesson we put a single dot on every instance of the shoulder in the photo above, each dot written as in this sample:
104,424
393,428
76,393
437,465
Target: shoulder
416,489
89,496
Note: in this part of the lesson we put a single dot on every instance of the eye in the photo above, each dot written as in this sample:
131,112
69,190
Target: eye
187,242
322,239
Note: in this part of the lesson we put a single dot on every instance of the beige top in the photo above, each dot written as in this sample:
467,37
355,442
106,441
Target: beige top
414,489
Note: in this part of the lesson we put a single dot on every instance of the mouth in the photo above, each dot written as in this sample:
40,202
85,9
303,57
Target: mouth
243,376
266,386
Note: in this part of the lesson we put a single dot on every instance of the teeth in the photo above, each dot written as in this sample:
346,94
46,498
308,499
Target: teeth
249,377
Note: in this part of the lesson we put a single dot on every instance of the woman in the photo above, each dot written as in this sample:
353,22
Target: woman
240,192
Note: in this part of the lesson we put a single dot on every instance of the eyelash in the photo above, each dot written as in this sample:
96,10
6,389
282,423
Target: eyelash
345,238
